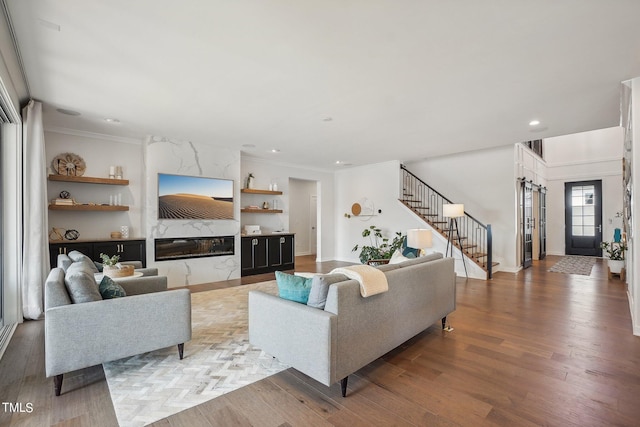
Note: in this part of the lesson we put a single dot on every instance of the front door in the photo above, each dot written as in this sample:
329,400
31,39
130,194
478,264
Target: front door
583,218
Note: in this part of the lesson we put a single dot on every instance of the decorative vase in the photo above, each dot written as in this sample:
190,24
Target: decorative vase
250,182
615,266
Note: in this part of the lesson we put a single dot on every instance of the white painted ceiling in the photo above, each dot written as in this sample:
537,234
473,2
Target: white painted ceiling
352,80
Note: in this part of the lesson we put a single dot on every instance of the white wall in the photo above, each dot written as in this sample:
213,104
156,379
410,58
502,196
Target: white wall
266,172
162,155
99,152
582,157
484,182
378,186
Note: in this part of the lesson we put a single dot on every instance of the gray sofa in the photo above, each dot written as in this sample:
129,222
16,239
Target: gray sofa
85,334
328,345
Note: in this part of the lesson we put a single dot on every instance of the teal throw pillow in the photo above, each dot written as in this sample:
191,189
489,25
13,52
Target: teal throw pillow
110,289
407,251
293,288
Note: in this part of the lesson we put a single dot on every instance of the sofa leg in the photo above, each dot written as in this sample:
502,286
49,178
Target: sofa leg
181,350
57,384
444,322
343,385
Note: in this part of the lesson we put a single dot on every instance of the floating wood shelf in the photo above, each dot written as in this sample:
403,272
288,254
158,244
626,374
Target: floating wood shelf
88,180
253,191
103,208
261,210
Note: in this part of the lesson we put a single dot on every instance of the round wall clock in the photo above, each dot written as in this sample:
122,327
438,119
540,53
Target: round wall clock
68,164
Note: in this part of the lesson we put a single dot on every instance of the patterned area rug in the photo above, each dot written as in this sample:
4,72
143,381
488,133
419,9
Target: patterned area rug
218,359
574,265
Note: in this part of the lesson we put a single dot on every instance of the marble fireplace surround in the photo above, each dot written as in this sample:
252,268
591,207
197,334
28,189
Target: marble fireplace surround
163,155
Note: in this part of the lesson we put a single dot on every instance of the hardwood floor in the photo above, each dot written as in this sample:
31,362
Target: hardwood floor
534,348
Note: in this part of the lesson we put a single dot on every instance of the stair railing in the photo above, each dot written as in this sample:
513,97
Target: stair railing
427,203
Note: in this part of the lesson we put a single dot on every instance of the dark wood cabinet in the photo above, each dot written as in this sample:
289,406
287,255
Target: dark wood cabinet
129,250
64,248
281,252
264,254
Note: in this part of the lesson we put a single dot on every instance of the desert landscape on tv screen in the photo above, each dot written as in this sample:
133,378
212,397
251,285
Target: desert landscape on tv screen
194,197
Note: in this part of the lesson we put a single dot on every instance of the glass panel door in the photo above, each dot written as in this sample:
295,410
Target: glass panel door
583,218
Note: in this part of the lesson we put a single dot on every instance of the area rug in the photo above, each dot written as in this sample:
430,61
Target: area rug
218,359
574,265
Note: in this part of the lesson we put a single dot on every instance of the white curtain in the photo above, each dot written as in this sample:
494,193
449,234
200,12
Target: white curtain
35,267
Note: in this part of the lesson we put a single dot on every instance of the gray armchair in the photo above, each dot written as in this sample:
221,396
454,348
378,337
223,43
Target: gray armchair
80,335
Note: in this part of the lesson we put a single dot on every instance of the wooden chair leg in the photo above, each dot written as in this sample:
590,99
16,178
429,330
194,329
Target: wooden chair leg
57,384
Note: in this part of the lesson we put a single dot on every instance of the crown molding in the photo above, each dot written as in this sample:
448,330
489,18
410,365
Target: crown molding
94,135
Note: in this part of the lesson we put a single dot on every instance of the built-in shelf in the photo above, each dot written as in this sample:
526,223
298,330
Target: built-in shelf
88,180
104,208
261,210
254,191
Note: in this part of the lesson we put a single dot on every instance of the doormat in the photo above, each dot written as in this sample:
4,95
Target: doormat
574,265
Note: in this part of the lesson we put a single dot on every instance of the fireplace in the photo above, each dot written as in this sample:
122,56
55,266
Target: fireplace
193,247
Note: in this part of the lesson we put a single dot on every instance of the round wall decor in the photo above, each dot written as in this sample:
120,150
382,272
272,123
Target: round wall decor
72,234
68,164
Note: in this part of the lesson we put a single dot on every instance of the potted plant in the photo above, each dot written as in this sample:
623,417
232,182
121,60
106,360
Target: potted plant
615,253
379,249
111,266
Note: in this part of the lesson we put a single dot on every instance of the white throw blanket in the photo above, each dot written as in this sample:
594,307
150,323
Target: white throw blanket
372,281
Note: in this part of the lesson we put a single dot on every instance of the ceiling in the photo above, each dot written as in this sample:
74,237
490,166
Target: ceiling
354,81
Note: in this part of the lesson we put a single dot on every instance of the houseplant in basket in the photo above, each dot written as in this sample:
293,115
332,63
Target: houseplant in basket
615,253
380,250
112,268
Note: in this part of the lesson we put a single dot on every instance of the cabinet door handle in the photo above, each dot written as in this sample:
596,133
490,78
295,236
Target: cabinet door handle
281,240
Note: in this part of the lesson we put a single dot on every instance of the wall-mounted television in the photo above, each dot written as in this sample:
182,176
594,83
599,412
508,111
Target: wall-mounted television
194,197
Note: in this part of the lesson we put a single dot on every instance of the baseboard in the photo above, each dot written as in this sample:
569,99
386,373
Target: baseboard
6,332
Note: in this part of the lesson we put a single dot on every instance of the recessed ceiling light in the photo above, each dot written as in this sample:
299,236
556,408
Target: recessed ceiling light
275,150
534,122
67,112
249,145
111,120
327,119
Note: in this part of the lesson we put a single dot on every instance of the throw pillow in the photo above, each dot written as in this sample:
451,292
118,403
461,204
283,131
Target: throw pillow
293,288
407,251
81,286
110,289
80,257
397,257
320,288
99,266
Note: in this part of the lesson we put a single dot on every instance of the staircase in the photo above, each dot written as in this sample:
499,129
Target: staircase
425,202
